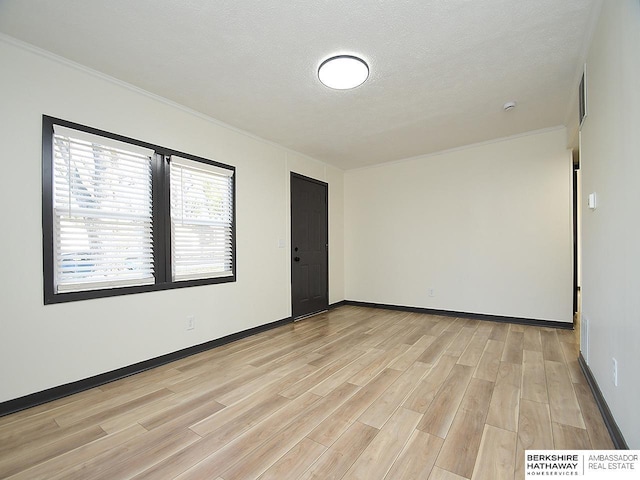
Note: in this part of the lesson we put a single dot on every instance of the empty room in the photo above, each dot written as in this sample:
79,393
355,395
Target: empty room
318,240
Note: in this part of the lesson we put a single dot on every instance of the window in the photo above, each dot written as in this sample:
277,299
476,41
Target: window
582,97
122,216
102,219
201,219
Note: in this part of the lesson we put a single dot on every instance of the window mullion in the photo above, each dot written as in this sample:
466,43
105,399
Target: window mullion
159,218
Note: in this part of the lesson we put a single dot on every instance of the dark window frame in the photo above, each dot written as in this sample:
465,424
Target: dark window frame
160,215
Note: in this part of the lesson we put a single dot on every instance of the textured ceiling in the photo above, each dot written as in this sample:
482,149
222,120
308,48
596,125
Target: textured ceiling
440,69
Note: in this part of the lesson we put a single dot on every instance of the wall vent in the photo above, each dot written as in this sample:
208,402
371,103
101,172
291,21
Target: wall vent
584,337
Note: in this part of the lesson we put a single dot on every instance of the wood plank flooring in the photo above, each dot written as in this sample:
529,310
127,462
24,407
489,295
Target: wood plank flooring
354,393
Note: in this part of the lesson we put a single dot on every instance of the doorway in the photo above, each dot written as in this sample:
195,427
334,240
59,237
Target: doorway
309,246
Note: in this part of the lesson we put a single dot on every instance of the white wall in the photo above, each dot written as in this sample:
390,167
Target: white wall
610,165
488,227
45,346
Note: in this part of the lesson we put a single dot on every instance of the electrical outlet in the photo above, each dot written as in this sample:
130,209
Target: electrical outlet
191,322
615,372
432,292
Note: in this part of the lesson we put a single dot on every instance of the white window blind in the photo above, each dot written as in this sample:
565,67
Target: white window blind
201,220
102,211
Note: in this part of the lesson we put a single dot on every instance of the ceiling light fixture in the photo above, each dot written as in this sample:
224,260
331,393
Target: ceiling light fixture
509,106
343,72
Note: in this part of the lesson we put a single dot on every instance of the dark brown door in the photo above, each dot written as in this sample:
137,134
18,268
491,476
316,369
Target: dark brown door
309,246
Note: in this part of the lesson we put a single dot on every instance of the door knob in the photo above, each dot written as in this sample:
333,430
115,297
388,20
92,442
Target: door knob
296,259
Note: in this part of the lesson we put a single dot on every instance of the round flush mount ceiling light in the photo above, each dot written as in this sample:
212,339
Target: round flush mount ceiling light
343,72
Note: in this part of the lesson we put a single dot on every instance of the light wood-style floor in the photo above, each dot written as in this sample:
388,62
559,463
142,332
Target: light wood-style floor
355,393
